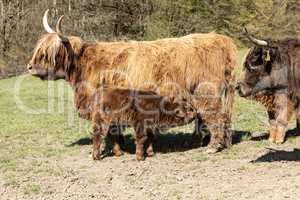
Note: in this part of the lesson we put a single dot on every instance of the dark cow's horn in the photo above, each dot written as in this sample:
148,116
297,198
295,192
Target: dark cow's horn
58,25
254,40
45,23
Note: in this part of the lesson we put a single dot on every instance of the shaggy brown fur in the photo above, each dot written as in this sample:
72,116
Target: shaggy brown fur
143,110
197,66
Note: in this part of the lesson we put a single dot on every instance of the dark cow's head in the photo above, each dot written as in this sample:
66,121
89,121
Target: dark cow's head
264,69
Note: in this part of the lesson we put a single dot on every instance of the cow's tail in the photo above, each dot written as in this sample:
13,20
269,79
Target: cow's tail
228,107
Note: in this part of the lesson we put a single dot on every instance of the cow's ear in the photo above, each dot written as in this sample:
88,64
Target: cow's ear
268,56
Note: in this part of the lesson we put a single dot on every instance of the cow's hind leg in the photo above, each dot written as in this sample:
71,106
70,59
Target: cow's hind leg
99,133
219,127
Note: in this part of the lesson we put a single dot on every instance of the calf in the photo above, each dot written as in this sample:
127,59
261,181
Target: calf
143,110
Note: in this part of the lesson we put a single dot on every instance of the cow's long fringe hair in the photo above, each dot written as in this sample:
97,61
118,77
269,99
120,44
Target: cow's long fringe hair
52,52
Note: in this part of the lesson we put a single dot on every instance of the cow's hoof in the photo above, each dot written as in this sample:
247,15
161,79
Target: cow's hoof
212,150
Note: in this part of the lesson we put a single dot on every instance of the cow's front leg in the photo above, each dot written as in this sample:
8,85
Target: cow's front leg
99,133
141,138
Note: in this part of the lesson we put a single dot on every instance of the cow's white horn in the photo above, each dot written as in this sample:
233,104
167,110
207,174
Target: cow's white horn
45,23
58,25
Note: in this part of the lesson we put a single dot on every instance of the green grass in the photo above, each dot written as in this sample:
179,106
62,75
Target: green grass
37,124
27,139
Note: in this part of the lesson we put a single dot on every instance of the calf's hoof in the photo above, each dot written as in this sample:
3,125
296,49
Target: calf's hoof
96,156
118,153
212,149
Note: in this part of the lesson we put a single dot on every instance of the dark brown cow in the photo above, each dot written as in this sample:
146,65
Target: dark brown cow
143,110
271,75
197,66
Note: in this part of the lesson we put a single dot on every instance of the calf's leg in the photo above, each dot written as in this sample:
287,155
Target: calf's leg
279,125
117,139
99,133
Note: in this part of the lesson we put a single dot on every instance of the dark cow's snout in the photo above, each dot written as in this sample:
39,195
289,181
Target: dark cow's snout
242,89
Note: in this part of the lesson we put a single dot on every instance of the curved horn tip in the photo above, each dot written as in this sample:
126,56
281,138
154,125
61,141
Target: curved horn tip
46,24
58,25
255,40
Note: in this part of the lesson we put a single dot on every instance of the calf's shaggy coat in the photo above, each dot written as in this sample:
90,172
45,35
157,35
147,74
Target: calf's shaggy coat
143,110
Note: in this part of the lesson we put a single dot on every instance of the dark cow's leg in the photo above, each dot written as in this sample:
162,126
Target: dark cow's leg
117,139
279,125
298,120
99,133
272,123
141,138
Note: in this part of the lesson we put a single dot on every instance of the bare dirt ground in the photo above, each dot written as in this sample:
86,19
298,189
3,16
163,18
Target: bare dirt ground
249,170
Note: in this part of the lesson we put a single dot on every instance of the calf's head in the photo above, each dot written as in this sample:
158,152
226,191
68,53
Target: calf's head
264,69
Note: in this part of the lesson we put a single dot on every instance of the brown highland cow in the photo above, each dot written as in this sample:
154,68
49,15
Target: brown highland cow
198,67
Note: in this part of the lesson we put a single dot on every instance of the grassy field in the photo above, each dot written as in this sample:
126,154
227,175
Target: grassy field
39,127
